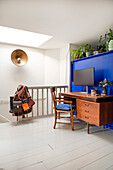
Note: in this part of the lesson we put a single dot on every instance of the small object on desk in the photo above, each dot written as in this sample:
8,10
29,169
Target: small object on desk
92,92
96,90
96,94
102,94
83,92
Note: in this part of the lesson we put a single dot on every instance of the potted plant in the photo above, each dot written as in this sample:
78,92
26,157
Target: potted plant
101,48
104,84
87,49
108,42
95,90
76,53
110,35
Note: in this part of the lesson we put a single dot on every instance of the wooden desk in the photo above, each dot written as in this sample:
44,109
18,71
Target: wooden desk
97,110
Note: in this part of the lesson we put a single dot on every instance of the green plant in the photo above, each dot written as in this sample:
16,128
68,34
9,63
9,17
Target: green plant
105,83
76,53
106,39
86,48
102,48
96,89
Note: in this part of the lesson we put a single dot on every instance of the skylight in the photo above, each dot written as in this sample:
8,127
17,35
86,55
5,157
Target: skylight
21,37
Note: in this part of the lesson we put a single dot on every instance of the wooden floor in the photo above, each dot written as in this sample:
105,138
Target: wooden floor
35,145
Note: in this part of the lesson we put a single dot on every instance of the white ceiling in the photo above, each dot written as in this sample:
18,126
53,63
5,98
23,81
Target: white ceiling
68,21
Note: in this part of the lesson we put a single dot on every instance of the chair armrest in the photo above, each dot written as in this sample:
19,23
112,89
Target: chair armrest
64,101
59,98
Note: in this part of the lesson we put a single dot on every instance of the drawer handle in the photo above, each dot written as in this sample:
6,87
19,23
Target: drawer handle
86,117
87,111
86,104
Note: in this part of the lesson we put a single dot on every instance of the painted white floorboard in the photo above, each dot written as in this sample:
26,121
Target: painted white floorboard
34,144
101,164
110,168
38,166
78,153
4,111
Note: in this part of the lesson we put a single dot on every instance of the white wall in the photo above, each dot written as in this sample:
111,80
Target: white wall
64,65
65,57
43,68
52,67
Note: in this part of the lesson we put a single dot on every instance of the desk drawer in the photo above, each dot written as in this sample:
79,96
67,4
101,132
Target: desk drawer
88,118
88,111
93,112
88,107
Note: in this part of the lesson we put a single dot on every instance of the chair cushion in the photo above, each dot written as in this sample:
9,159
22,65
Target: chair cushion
64,106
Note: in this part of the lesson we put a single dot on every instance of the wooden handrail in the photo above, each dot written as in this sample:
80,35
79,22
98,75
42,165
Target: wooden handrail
45,87
43,101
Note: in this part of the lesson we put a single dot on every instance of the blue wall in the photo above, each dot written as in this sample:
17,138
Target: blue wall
103,64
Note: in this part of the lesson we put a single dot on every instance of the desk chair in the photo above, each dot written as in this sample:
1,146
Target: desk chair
64,106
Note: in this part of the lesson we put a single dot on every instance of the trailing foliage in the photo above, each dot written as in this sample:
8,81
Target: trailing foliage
80,52
106,39
102,46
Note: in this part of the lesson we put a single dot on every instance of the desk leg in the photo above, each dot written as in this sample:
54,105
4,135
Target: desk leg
103,127
87,128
